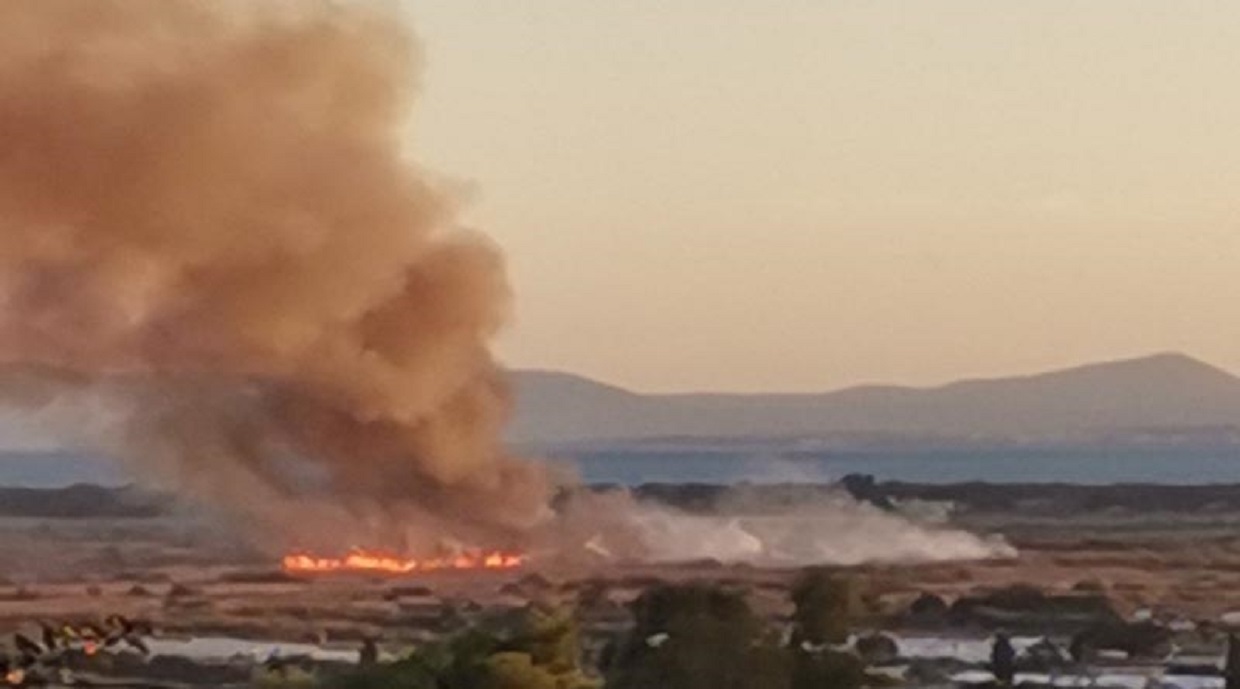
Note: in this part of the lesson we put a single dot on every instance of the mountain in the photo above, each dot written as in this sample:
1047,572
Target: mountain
1161,393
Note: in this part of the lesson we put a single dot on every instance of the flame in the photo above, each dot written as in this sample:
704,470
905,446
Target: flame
370,561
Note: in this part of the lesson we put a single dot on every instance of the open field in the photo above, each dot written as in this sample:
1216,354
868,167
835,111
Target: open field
206,595
189,575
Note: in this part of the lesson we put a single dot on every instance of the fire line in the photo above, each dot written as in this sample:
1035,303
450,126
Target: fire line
369,561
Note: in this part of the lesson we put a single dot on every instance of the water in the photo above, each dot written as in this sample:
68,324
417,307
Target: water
1084,466
631,466
57,469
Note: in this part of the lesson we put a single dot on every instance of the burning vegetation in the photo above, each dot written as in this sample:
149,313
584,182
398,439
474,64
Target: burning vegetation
362,561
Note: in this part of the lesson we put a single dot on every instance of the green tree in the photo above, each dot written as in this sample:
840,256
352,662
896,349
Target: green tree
514,670
695,637
827,669
549,637
535,648
825,606
409,673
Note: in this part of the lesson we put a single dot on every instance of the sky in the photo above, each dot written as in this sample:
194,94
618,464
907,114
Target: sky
800,195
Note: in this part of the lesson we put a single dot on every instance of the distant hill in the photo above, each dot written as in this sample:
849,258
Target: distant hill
1161,394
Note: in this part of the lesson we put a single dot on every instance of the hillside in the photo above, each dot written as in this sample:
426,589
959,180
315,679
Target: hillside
1162,392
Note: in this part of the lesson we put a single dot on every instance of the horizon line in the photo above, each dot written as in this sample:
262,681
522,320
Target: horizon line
1126,360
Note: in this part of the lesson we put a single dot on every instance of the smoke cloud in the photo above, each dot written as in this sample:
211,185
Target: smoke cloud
830,529
212,242
207,219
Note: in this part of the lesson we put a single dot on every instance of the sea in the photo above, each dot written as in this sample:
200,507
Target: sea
1090,466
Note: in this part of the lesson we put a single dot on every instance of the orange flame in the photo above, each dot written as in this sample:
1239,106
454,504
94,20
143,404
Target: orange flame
376,562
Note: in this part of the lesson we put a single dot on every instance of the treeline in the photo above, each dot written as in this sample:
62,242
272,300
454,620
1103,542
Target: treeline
692,636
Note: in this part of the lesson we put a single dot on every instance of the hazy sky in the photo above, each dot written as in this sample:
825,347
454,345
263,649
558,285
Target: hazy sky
804,194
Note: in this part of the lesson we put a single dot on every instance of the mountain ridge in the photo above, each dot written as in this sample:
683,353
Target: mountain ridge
1164,390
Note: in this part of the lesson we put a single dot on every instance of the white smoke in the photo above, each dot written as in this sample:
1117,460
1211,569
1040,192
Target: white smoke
833,531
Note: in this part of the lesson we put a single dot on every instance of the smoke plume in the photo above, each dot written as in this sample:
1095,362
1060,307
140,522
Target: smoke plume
207,220
212,242
829,529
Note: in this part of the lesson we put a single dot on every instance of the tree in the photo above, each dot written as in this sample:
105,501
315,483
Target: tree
403,674
513,670
549,638
535,648
695,637
1003,660
825,604
826,669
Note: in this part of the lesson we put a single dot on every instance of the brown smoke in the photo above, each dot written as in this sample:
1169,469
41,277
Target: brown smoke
206,214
